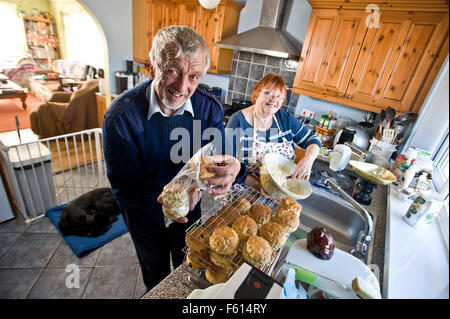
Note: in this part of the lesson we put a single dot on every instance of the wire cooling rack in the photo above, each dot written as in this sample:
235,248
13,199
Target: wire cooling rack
228,212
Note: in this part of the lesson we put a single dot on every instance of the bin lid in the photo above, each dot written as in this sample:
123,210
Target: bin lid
27,154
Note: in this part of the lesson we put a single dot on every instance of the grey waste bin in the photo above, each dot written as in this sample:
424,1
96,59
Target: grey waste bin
33,171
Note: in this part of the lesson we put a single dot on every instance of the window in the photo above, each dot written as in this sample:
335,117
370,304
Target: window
441,183
12,32
83,40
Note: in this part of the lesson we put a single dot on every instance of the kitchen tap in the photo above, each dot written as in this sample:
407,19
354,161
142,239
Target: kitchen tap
363,241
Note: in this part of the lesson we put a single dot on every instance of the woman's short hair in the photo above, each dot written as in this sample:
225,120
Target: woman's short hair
270,80
176,41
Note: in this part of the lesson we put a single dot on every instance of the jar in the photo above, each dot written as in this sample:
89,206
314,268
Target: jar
332,123
322,120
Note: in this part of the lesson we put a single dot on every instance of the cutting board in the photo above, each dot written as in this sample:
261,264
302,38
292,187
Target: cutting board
342,267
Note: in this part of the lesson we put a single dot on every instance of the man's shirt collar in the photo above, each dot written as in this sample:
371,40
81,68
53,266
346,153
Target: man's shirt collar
154,106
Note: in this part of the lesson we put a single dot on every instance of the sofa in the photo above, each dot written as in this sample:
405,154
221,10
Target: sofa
43,86
66,112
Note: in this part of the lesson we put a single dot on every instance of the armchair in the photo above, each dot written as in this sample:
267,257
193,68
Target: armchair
66,112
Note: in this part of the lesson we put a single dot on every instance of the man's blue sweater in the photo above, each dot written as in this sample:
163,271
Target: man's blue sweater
137,150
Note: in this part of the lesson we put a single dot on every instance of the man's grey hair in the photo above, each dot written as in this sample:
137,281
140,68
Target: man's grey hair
176,41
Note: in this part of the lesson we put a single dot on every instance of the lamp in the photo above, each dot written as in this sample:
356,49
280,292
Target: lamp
209,4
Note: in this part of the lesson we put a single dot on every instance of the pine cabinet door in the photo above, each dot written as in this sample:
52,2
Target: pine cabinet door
141,35
396,58
330,50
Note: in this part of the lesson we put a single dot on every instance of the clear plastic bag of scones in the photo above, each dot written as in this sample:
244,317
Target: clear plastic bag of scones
176,194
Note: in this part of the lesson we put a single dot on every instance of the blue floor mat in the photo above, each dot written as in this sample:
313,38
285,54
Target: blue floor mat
81,245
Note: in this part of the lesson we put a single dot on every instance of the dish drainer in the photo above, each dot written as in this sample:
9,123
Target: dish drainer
223,209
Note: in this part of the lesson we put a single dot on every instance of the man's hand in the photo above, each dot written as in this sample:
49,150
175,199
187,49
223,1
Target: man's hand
226,169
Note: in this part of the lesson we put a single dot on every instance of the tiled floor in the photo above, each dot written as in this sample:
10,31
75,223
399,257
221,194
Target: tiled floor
34,257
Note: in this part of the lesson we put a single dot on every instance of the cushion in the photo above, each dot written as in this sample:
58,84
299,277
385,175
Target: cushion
81,245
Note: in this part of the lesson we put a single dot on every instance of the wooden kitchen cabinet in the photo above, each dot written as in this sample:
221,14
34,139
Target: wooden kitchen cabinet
212,25
391,63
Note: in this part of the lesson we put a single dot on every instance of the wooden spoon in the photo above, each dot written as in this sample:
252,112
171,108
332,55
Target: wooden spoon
390,116
380,128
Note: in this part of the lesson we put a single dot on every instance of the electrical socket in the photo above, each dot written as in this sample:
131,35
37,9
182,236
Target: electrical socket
307,113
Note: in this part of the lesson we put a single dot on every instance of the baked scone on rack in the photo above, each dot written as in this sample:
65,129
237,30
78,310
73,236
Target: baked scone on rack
288,219
257,251
260,213
244,227
224,240
198,260
197,239
229,214
242,205
216,275
275,234
288,203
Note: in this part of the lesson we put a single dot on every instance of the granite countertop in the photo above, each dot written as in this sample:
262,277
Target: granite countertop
178,286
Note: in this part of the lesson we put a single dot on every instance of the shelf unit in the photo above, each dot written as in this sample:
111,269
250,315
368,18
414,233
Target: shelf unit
42,39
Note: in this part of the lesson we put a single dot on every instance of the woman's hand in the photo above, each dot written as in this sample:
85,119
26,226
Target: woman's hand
303,168
226,169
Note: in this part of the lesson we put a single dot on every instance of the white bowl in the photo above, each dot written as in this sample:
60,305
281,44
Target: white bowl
274,170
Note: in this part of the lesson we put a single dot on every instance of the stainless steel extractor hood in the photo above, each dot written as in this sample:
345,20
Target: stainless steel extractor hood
267,38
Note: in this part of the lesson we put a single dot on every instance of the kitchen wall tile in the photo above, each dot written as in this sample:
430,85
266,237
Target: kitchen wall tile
52,285
256,71
236,55
243,69
288,77
274,61
238,96
259,58
272,69
231,83
240,85
16,283
140,289
31,251
293,100
234,67
250,86
112,283
245,56
289,64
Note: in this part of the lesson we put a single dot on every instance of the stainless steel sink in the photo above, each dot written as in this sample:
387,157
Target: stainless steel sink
341,219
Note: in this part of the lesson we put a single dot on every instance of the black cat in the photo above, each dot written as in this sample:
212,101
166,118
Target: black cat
90,214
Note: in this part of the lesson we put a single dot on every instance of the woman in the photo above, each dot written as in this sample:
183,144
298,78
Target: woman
263,128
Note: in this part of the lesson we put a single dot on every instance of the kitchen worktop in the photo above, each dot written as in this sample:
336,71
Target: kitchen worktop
178,286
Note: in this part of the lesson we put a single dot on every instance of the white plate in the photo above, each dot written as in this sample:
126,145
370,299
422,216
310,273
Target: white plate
342,267
207,293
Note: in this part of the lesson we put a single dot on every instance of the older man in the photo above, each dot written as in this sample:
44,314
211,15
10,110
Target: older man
138,144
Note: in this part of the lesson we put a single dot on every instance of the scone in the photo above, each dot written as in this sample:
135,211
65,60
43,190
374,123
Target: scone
175,201
219,260
242,205
261,214
288,203
213,222
217,275
229,214
197,238
288,219
197,259
257,251
244,227
274,233
224,240
201,167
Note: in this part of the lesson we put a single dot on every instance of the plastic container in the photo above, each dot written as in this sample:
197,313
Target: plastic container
380,148
33,169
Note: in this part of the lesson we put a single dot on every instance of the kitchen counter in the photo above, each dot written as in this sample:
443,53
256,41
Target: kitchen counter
178,286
